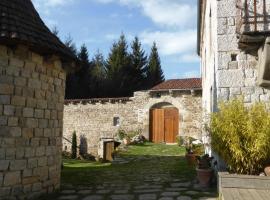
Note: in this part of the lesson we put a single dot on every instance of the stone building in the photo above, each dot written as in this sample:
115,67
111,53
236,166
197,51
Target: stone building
233,42
173,106
32,82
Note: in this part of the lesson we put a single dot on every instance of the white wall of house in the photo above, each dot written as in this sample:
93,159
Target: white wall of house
227,72
209,62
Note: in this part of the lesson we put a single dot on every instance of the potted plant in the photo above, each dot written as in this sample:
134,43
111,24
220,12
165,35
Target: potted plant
190,156
192,150
204,170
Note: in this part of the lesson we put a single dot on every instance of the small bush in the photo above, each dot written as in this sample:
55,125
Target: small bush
74,146
121,134
180,140
241,136
198,149
66,155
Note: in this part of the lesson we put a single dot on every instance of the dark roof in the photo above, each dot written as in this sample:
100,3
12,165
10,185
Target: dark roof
179,84
21,24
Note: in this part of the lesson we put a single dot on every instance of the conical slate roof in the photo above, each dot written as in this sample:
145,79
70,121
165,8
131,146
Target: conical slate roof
21,24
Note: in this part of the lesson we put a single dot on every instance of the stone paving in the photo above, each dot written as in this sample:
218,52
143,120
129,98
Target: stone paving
151,182
152,190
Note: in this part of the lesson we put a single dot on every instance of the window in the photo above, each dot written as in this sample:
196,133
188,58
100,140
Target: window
233,57
116,121
158,95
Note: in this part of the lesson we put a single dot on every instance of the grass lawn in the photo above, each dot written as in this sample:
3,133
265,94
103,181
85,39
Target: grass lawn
165,161
151,149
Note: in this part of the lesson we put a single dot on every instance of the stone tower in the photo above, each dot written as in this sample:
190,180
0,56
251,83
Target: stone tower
32,85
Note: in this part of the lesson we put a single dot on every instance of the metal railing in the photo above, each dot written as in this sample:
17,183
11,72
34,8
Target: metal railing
253,16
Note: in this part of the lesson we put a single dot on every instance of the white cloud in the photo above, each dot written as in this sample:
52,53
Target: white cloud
172,14
188,74
189,58
171,43
191,74
50,3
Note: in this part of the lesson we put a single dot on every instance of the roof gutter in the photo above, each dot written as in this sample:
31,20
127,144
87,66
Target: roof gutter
199,15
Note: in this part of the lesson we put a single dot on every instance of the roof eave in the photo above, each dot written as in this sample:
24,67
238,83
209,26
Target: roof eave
165,90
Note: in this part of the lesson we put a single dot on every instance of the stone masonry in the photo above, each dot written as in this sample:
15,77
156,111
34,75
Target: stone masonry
95,119
228,71
31,111
235,76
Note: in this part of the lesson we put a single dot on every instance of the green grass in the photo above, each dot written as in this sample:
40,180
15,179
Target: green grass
69,163
151,149
158,160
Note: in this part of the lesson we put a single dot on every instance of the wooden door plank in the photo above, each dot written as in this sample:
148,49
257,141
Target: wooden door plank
171,124
157,126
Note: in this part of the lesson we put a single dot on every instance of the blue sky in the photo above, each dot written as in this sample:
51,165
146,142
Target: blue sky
98,23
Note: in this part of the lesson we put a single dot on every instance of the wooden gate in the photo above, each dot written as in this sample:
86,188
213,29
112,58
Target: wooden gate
164,125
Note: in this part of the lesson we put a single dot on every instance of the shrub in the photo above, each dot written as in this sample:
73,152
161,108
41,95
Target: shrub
198,149
180,140
241,136
66,155
121,134
74,146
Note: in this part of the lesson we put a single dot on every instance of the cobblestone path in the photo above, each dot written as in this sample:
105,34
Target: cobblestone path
135,177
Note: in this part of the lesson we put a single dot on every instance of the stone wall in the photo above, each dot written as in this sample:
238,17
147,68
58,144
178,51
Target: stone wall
237,72
31,111
227,71
94,119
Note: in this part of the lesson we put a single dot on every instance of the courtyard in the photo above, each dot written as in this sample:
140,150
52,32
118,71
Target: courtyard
146,171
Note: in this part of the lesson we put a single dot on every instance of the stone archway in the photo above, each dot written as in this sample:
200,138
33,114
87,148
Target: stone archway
163,123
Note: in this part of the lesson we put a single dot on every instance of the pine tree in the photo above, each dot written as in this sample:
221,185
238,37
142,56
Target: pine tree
74,146
71,81
138,65
154,71
98,74
84,74
98,66
117,68
71,45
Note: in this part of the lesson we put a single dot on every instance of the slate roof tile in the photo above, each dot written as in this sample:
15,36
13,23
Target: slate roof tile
21,24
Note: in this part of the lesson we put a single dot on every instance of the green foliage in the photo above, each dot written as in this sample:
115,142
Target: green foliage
241,135
192,148
121,134
138,66
117,68
74,146
180,140
154,71
198,149
122,73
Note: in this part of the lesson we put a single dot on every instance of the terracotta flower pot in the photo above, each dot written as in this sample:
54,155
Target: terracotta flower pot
204,176
267,170
191,159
